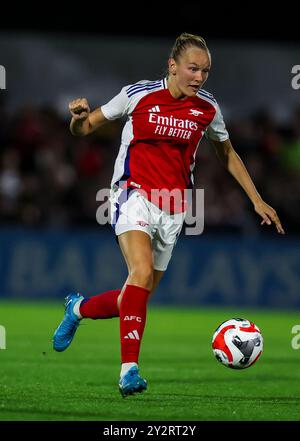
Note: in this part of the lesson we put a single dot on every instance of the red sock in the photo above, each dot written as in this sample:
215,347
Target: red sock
101,306
133,309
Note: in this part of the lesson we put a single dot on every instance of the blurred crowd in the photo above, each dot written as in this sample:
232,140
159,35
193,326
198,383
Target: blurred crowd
49,178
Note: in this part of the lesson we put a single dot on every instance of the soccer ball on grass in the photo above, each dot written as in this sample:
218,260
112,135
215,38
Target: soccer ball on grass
237,343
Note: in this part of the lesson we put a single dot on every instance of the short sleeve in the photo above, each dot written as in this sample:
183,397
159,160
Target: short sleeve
117,106
216,131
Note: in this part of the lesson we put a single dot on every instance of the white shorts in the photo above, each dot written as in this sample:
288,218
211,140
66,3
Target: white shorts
130,210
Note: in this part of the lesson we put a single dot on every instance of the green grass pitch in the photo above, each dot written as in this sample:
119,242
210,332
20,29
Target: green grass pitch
185,381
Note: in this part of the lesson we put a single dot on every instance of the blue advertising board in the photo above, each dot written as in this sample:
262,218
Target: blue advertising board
204,270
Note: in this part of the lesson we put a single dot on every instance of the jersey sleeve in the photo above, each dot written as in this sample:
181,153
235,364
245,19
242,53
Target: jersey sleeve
117,106
216,131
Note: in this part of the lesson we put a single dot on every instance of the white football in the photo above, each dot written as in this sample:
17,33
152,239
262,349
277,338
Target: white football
237,343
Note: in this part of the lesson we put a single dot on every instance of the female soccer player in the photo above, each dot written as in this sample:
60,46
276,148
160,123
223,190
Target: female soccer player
166,120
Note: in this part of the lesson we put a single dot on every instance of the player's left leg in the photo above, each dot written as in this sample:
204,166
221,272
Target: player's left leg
101,306
136,248
107,305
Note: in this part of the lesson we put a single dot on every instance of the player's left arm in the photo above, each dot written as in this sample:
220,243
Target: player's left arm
236,167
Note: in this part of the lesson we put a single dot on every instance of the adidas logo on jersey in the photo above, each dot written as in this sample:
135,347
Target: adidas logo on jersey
134,335
154,109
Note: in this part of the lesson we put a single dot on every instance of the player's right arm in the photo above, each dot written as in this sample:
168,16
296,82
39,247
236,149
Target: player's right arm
84,121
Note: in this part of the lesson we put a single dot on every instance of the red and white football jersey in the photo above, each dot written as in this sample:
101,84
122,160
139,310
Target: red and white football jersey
161,136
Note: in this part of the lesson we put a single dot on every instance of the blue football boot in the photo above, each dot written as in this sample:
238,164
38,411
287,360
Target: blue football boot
131,382
65,332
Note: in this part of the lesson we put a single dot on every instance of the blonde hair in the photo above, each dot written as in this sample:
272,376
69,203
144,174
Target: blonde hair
184,41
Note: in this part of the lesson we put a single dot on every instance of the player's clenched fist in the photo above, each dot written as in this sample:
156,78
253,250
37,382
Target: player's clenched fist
79,109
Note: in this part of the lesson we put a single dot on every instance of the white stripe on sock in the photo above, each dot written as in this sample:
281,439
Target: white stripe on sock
136,334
